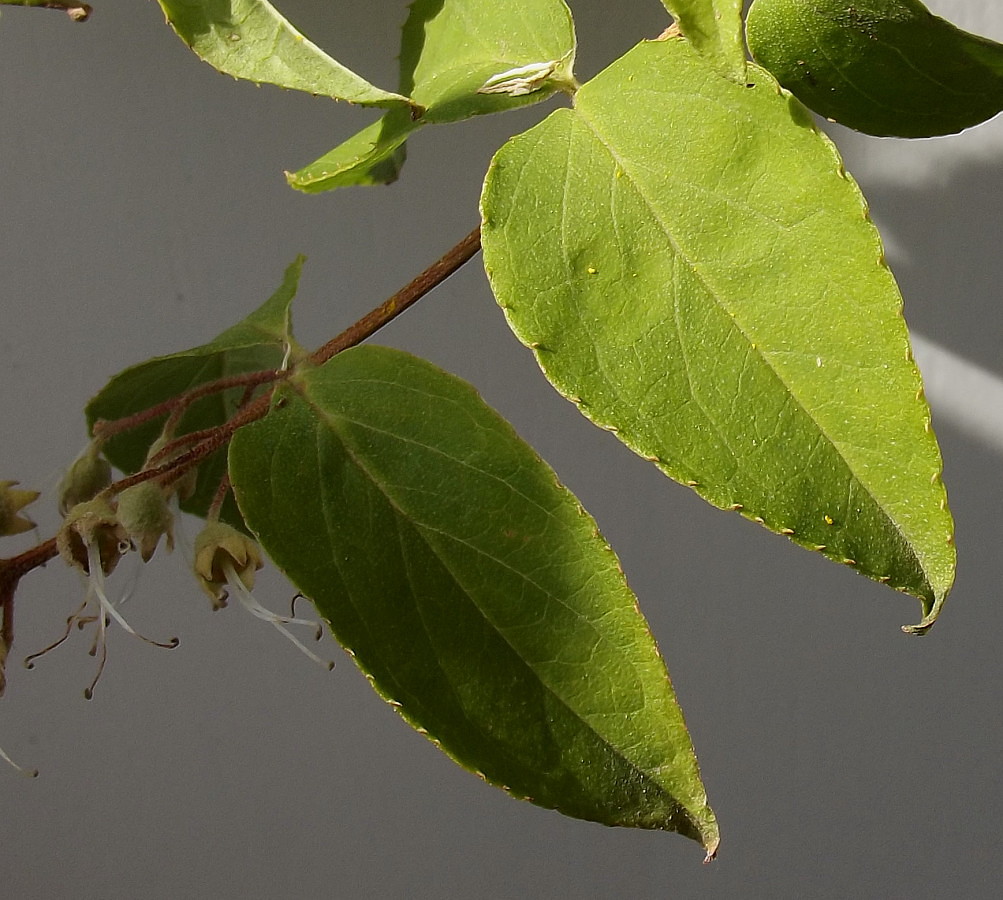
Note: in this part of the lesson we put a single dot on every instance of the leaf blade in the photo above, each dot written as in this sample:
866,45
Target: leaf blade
714,28
449,52
251,39
471,588
670,275
884,67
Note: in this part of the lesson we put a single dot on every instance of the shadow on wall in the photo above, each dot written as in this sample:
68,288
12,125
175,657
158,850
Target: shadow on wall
942,230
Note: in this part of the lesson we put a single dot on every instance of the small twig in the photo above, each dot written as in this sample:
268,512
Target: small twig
220,495
107,428
411,293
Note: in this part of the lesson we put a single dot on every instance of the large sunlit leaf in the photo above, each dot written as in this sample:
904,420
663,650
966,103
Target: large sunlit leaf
258,342
885,67
459,58
693,267
251,39
471,587
714,28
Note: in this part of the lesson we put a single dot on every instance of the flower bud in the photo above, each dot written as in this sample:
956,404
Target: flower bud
12,501
92,524
145,516
85,479
220,547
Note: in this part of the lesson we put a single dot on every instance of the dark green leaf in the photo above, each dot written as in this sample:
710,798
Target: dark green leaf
471,587
693,267
450,52
258,342
885,67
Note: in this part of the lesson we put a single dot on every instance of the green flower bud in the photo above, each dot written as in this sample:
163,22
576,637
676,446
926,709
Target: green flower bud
145,516
92,524
85,479
12,501
221,547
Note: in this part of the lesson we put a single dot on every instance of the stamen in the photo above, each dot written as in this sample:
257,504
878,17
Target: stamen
103,616
292,612
29,661
249,603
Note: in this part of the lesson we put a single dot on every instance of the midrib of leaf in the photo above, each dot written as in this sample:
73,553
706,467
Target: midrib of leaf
422,530
720,300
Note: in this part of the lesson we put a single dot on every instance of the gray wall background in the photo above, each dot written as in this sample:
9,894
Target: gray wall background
143,209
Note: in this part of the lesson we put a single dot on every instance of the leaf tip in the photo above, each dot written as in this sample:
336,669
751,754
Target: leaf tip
711,841
928,620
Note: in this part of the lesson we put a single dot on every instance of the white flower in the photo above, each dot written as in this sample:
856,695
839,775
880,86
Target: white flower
226,560
92,540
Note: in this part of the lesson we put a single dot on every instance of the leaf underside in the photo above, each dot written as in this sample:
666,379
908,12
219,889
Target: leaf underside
693,267
471,588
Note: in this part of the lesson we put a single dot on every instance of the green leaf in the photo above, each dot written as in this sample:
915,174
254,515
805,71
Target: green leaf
257,343
471,587
459,58
693,267
884,67
714,28
373,156
251,39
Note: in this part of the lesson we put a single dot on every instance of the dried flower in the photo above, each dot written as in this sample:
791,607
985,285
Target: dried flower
218,544
91,525
12,501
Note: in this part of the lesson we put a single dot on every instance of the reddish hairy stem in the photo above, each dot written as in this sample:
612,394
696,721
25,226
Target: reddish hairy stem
210,440
411,293
107,429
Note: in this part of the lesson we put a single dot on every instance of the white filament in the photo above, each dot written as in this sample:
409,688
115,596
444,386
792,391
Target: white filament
250,603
